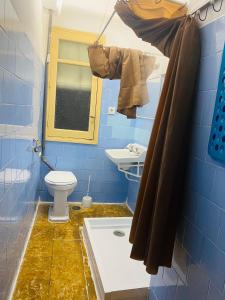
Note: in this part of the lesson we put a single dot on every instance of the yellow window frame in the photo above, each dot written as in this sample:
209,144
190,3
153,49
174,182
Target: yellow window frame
64,135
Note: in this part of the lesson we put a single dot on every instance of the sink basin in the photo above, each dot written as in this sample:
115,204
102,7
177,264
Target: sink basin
126,156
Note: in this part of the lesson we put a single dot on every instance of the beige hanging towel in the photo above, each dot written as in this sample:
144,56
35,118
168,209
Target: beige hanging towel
131,66
152,9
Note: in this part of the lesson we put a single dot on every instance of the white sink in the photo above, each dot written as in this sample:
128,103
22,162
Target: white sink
135,154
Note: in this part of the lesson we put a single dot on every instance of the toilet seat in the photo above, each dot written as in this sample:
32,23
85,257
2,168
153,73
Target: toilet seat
60,178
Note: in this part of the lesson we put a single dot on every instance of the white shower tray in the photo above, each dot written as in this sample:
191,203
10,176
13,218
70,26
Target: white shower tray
116,276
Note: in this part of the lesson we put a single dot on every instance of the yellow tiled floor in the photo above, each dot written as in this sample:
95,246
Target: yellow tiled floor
55,264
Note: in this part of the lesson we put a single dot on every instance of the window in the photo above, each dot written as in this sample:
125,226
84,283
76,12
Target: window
74,95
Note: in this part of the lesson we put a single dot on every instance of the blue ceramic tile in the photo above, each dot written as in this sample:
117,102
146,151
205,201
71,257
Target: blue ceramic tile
108,198
114,188
182,291
180,261
141,123
208,218
20,166
199,106
191,173
114,143
203,177
161,292
132,194
218,188
45,196
200,138
77,196
208,108
214,294
82,186
219,30
95,164
198,282
142,136
170,279
219,56
208,73
105,132
213,261
208,39
181,228
122,133
190,204
54,148
1,85
96,153
193,242
221,233
118,120
156,280
152,295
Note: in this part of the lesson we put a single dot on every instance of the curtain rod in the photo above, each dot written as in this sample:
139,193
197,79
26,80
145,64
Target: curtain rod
106,25
197,11
206,5
195,7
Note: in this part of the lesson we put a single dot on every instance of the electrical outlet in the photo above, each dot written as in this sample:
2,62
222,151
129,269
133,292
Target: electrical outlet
111,110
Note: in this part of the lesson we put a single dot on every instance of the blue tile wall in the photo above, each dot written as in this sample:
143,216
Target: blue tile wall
21,92
116,131
143,129
199,256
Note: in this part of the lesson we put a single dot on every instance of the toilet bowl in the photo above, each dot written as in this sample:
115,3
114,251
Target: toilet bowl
60,185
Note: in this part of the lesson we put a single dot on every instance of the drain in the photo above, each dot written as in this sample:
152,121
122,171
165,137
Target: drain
119,233
76,207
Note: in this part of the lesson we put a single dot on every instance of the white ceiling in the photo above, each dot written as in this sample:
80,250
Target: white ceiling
101,7
96,7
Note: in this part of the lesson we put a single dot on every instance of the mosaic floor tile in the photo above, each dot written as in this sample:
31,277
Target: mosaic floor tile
70,234
37,289
61,289
68,268
40,248
42,233
36,267
66,248
56,264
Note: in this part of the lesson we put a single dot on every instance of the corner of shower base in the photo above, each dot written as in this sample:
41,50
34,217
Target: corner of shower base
137,293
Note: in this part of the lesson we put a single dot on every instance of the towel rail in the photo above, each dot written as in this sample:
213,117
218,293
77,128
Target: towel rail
144,118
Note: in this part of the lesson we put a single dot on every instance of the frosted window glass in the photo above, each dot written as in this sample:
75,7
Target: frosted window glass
73,93
73,51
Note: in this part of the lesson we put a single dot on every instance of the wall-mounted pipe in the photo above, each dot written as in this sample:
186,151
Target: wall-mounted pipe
46,83
53,5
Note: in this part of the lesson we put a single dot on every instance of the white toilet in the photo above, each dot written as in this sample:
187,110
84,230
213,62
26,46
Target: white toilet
60,185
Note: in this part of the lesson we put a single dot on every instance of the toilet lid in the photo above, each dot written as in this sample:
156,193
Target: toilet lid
60,177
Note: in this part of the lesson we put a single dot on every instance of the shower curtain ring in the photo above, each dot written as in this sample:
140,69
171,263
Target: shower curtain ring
214,7
206,14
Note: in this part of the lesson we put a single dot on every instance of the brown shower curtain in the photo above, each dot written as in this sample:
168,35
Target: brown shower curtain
160,195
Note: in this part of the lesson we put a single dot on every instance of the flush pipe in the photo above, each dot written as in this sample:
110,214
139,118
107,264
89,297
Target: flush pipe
47,60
